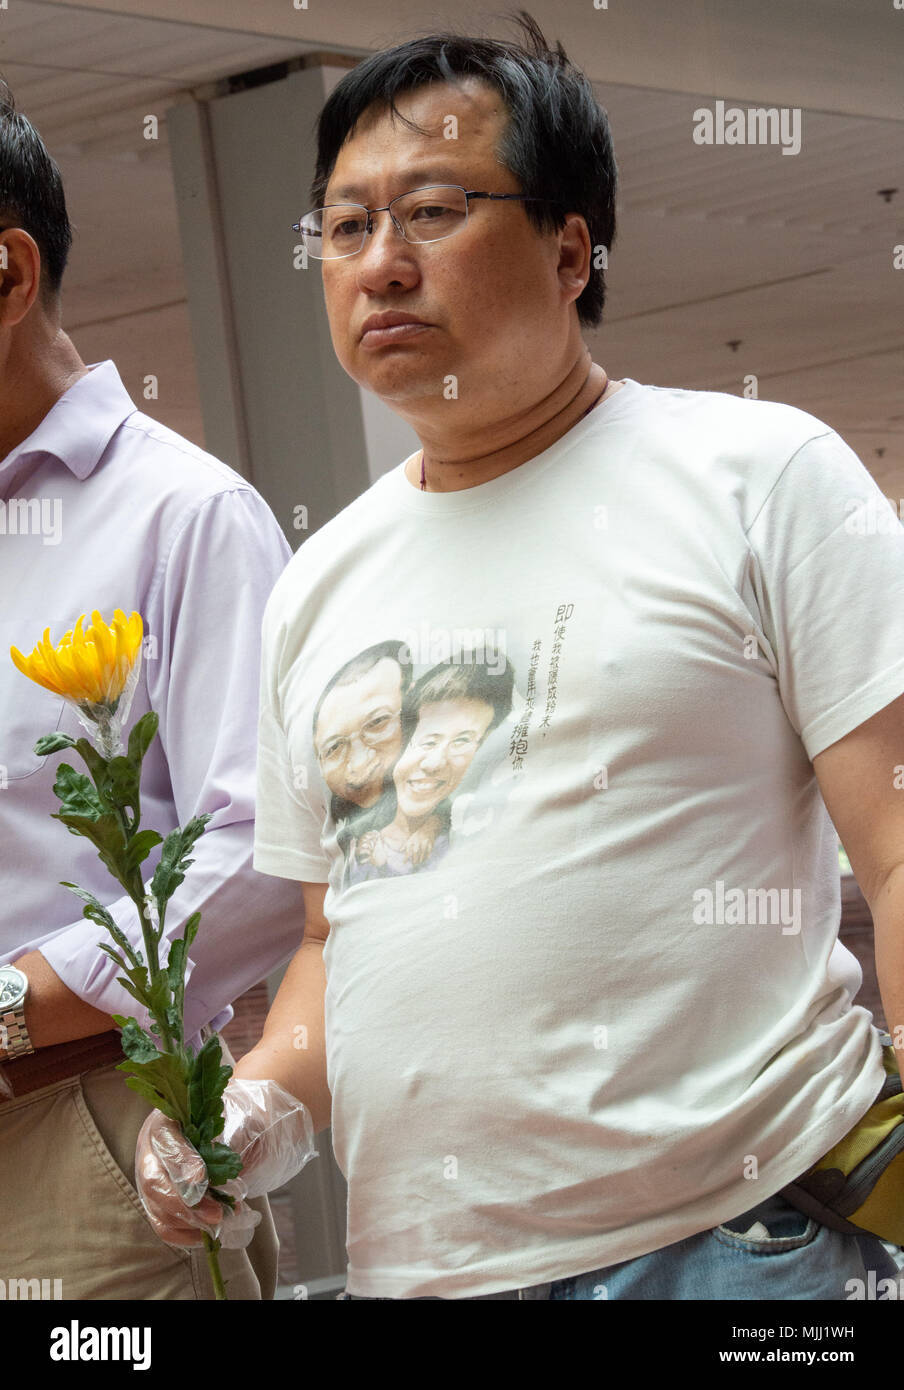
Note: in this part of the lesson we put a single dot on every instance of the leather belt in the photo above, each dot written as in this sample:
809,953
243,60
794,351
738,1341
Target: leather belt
48,1065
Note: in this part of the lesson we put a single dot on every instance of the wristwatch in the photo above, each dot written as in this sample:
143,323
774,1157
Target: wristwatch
13,1032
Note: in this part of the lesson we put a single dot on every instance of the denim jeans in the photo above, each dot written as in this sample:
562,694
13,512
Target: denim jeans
798,1259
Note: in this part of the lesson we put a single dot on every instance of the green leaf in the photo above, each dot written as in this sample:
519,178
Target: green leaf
140,847
224,1197
142,736
120,784
191,930
53,743
78,796
178,958
138,990
166,1073
99,913
222,1163
159,994
173,861
95,763
175,968
206,1083
176,965
96,912
85,814
137,1044
150,1093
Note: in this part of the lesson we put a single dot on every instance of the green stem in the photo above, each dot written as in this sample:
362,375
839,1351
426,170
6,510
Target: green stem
136,891
211,1246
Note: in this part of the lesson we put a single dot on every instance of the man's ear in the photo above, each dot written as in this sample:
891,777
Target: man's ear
20,276
575,252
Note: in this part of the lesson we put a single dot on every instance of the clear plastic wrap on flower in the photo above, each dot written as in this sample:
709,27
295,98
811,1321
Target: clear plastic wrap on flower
95,671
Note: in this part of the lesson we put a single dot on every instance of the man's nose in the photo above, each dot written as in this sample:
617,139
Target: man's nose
386,256
359,756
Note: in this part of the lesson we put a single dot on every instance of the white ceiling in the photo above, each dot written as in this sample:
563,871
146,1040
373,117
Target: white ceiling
789,256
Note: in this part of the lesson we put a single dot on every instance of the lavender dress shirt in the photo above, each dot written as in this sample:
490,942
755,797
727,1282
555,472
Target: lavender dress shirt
102,507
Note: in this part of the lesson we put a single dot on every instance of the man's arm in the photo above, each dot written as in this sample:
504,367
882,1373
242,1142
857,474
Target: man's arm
53,1014
292,1049
857,778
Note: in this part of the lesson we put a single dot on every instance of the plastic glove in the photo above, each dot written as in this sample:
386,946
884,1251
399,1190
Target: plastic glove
270,1130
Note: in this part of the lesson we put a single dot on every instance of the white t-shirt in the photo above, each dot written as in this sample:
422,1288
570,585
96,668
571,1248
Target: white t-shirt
585,995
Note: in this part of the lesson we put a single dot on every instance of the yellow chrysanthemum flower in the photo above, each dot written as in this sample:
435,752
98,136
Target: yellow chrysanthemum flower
90,666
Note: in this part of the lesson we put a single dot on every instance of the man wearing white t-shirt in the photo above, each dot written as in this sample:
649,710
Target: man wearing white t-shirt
571,994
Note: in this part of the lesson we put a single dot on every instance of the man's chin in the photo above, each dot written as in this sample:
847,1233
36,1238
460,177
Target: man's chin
402,380
364,804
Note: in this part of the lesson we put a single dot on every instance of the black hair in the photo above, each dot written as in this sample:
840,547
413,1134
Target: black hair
461,681
31,192
557,142
359,666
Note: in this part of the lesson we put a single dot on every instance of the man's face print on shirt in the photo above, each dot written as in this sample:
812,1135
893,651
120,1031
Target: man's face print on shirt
393,752
358,733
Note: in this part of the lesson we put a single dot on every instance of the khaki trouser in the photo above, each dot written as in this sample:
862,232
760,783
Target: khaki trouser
69,1209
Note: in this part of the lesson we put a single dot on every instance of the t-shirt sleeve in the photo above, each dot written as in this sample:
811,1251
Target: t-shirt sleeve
830,567
286,825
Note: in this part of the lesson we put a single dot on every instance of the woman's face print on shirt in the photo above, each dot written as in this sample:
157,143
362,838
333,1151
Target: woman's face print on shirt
439,753
394,752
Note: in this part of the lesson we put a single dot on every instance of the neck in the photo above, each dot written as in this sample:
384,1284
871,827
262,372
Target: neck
462,460
34,376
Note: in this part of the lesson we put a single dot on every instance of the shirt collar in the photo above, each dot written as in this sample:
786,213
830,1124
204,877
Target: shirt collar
80,425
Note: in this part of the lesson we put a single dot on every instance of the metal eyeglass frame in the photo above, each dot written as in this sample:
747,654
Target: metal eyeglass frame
369,226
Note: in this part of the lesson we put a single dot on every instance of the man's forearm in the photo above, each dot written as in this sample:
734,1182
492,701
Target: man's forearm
888,925
292,1050
53,1014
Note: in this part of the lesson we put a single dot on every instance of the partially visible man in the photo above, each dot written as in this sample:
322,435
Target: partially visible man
122,513
550,1072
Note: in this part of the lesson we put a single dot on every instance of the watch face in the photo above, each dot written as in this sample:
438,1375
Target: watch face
12,986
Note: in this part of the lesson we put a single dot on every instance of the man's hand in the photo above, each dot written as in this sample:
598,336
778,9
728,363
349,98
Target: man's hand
270,1130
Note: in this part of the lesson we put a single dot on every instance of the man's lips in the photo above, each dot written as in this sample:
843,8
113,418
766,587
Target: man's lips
390,327
390,318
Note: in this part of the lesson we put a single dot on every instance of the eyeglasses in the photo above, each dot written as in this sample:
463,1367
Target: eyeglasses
423,215
376,732
456,748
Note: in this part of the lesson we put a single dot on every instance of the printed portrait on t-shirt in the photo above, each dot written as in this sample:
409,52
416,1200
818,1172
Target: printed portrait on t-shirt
394,751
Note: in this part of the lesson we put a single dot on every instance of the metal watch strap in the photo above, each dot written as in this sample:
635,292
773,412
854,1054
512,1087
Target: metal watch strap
14,1034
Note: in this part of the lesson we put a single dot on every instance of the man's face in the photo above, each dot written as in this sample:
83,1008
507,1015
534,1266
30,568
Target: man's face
441,750
358,735
489,295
